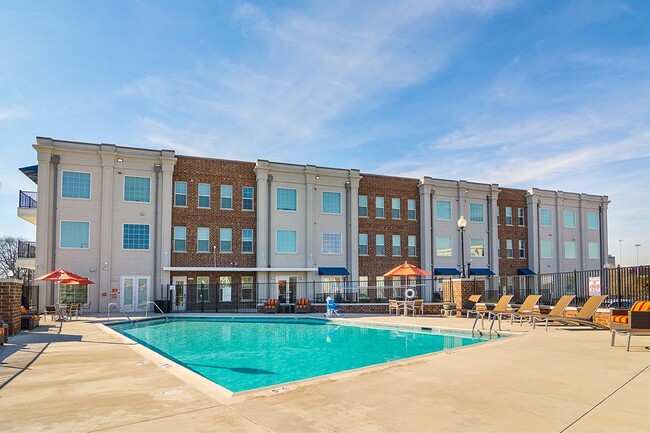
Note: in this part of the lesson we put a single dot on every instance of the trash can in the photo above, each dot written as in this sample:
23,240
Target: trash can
165,305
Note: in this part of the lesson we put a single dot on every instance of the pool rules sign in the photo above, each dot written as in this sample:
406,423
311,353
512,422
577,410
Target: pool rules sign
594,286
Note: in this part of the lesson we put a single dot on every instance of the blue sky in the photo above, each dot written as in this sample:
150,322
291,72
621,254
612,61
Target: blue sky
547,94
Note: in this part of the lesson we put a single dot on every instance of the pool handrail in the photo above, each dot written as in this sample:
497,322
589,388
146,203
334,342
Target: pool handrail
119,308
146,310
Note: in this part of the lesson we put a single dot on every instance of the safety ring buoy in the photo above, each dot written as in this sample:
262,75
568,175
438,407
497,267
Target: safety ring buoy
409,293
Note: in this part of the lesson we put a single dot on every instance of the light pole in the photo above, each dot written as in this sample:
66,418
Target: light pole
462,223
637,253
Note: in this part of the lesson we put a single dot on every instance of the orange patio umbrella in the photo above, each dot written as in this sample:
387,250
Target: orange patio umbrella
406,270
61,276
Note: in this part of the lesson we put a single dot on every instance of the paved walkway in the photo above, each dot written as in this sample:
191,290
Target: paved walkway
77,376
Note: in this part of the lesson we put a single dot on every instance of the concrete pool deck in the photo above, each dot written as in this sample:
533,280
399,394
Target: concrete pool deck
78,376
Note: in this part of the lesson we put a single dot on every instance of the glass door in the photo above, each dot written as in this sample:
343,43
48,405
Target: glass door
134,292
287,288
127,293
179,296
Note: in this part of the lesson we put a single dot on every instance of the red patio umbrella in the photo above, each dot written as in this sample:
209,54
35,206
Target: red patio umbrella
406,270
61,276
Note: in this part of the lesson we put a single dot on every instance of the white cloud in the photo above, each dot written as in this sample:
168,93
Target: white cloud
10,113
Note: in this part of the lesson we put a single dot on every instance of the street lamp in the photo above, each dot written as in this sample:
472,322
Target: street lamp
637,253
462,223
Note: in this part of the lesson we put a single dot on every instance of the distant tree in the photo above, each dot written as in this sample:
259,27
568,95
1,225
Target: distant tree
9,258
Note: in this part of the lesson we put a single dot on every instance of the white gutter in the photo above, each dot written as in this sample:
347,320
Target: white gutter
224,269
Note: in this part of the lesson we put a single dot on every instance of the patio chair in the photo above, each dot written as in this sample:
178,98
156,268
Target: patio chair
393,305
271,306
417,305
500,307
332,308
50,310
73,310
555,312
303,306
471,306
635,321
85,307
525,308
583,318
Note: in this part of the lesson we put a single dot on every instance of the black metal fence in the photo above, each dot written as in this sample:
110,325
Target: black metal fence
26,249
27,199
620,284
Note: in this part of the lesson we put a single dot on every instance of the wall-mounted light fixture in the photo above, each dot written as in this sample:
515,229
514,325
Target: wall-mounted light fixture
120,159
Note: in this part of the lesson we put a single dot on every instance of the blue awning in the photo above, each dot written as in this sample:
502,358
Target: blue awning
446,271
481,271
31,172
333,271
525,271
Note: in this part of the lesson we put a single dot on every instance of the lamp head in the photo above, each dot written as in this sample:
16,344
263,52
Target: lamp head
462,222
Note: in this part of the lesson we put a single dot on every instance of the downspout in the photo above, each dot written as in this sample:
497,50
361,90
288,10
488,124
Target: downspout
603,284
268,231
156,168
489,232
55,160
539,248
348,226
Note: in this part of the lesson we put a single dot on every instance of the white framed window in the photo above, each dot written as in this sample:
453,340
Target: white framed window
203,240
363,287
135,237
546,249
225,287
498,215
410,209
247,241
508,216
286,241
331,202
226,196
74,234
594,250
203,289
510,253
180,194
286,200
75,184
476,214
592,221
137,189
247,288
545,217
412,246
225,240
569,219
477,247
521,221
380,283
379,245
396,245
443,210
332,243
443,246
522,249
395,211
248,198
180,239
570,250
379,207
363,244
363,205
204,195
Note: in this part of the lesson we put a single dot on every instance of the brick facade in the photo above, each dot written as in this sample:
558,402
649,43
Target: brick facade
10,293
215,172
458,291
373,186
514,199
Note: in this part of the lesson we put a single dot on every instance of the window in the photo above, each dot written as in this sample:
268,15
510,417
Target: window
476,213
75,185
286,199
202,289
73,293
247,198
477,247
412,250
498,215
331,202
180,194
379,207
395,212
226,196
135,237
204,195
74,234
545,218
380,282
522,249
569,219
411,209
379,245
520,217
286,241
443,210
363,205
180,239
508,216
363,244
363,287
594,250
592,221
247,240
331,243
247,288
396,245
443,246
509,249
546,249
203,240
137,189
570,250
225,285
225,240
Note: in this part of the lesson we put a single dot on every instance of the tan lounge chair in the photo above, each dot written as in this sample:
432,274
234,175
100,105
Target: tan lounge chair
500,307
471,305
555,312
635,321
583,318
525,308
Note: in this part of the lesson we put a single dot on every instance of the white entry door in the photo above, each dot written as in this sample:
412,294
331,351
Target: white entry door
286,287
135,292
179,296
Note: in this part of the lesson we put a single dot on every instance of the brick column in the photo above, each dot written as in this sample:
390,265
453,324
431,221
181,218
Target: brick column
458,290
10,292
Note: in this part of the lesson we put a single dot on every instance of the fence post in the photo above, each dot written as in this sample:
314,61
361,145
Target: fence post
620,286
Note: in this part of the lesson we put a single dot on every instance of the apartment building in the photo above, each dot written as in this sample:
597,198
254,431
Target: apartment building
512,216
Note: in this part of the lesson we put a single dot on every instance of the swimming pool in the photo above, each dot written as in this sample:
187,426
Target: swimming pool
241,354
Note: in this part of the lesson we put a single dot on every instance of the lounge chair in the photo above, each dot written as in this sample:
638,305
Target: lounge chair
583,318
500,307
471,306
526,307
271,306
393,305
555,312
303,306
635,321
417,305
29,319
332,308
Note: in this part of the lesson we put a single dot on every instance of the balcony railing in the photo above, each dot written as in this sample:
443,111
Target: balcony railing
26,250
27,199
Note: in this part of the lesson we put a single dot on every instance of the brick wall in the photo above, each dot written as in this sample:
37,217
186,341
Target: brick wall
459,290
373,186
10,293
515,199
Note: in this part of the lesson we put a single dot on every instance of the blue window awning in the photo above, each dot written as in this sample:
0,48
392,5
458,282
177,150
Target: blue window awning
525,271
446,271
481,271
333,271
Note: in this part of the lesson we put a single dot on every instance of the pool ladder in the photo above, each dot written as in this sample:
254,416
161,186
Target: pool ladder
119,308
146,310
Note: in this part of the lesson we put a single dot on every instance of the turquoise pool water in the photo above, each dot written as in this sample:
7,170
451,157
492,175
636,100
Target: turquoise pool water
241,354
